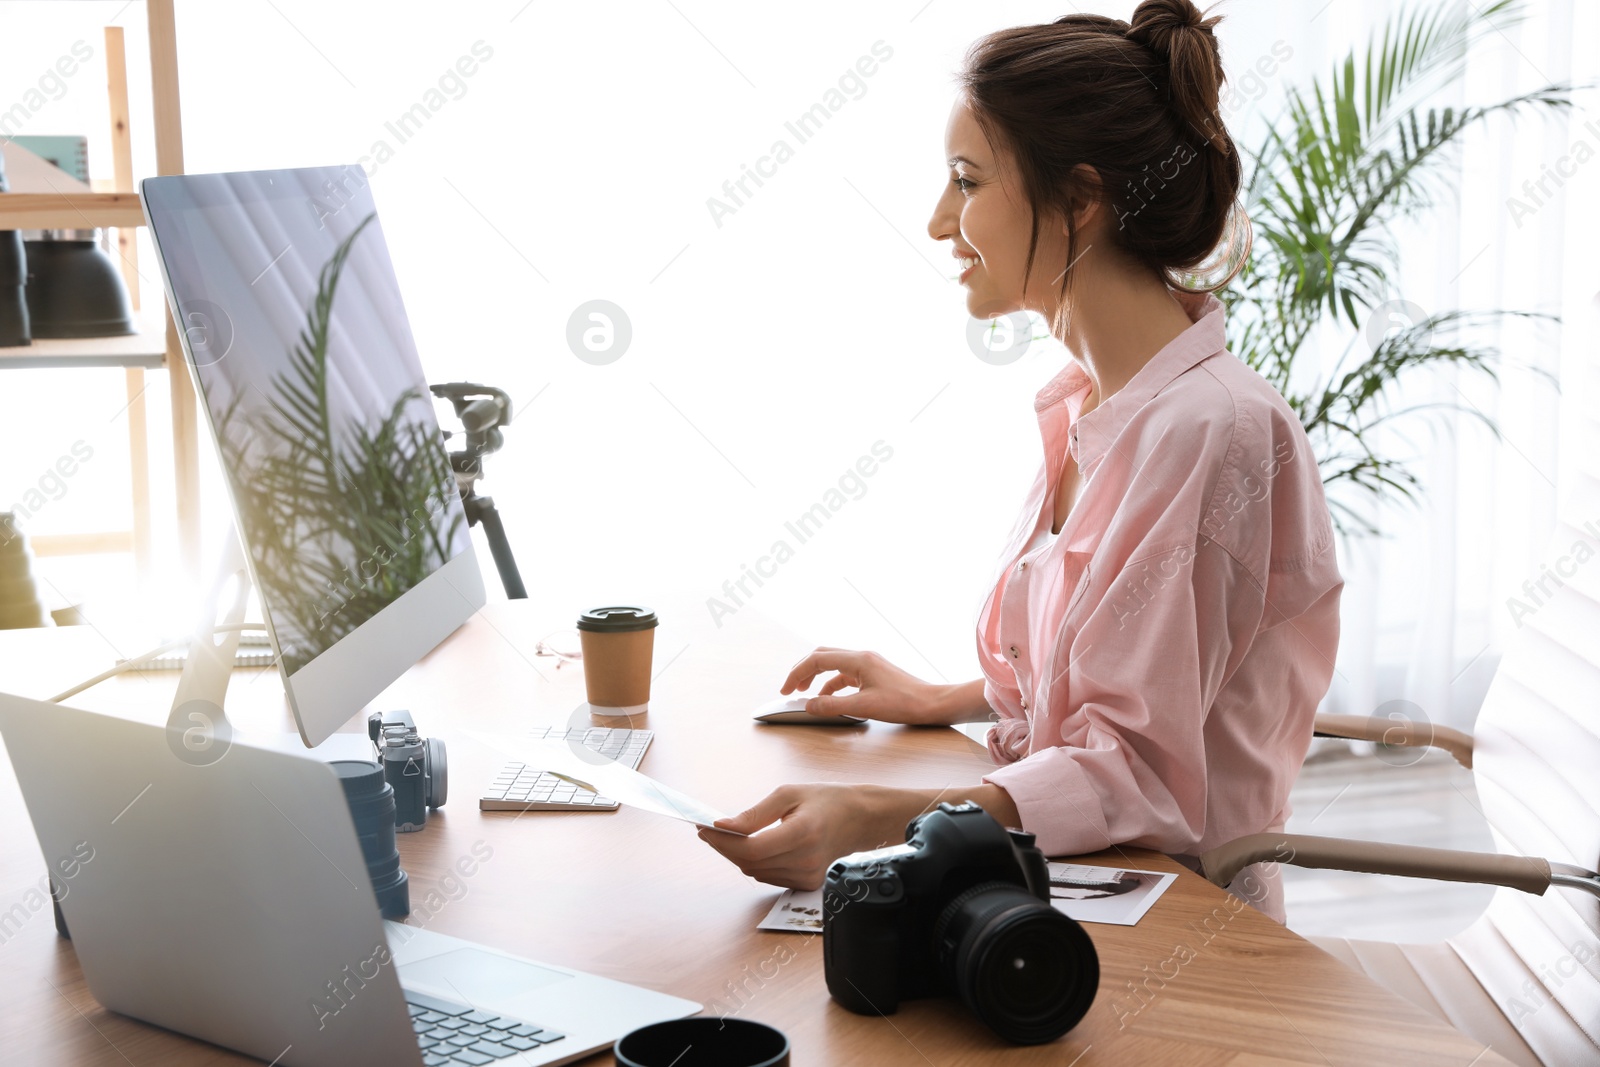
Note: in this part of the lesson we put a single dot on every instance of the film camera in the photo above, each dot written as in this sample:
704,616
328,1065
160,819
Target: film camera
412,764
962,907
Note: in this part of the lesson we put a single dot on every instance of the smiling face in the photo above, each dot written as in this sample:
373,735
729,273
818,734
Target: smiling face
984,213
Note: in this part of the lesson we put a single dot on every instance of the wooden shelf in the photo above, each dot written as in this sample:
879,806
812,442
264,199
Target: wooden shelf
147,349
154,346
69,211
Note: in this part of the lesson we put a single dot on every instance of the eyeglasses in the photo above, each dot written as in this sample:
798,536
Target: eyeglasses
562,649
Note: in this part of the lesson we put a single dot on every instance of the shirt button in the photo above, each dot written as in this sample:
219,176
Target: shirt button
1024,703
1013,651
1022,566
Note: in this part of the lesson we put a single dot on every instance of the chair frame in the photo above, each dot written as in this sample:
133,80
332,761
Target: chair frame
1526,873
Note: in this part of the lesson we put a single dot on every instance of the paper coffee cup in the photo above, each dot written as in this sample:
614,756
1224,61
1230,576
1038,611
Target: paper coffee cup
617,646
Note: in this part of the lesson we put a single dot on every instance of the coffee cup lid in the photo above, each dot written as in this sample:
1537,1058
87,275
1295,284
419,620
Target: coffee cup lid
616,619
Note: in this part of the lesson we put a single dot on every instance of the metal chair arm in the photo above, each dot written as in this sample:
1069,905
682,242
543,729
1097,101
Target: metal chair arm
1527,873
1397,732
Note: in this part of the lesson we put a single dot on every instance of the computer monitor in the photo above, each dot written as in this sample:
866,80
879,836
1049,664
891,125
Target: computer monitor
292,324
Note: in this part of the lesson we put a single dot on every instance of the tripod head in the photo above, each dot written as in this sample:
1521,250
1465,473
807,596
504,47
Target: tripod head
482,409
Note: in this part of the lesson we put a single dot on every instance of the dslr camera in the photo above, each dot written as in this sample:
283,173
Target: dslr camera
963,907
412,764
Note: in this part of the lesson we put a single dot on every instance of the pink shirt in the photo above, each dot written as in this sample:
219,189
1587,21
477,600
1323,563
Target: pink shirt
1155,667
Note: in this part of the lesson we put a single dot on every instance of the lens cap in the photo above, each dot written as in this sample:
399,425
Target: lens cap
704,1041
1027,970
360,777
616,620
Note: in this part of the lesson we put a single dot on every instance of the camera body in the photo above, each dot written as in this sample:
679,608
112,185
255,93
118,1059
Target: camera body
963,908
413,765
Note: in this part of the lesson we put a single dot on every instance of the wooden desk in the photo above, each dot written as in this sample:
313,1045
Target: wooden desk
636,897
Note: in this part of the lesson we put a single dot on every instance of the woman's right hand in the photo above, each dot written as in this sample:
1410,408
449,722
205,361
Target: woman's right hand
885,692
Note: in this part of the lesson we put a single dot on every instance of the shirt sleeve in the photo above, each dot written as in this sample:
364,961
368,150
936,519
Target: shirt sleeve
1008,739
1140,672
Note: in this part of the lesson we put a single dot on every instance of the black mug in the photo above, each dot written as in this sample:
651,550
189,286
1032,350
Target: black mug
703,1041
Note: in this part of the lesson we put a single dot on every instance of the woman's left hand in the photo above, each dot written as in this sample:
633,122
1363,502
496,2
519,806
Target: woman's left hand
819,823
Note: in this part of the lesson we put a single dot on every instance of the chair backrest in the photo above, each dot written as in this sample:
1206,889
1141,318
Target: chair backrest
1536,763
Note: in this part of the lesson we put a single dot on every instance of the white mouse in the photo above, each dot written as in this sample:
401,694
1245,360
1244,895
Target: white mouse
791,711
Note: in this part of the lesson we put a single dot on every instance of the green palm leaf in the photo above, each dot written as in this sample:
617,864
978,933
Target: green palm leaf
1352,156
343,519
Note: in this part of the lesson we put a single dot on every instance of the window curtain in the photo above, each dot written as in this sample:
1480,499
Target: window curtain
1429,604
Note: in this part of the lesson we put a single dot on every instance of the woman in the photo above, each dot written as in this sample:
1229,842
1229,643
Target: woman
1165,616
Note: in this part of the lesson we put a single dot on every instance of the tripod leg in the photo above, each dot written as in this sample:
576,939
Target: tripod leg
500,548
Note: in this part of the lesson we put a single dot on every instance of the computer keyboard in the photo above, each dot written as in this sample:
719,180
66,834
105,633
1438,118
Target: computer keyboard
522,788
255,650
452,1033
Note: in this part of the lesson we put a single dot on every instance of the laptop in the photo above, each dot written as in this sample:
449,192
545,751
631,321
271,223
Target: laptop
231,902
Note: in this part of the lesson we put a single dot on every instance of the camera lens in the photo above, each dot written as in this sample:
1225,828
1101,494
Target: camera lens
371,800
438,773
1025,969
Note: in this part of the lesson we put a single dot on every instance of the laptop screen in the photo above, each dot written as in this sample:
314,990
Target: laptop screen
305,362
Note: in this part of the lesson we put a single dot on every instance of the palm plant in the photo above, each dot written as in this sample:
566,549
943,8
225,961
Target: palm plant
359,515
1350,158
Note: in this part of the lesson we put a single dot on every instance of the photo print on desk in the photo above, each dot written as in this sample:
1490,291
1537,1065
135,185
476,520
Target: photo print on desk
1112,895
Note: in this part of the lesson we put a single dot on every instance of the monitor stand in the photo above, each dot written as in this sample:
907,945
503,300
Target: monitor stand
198,730
197,727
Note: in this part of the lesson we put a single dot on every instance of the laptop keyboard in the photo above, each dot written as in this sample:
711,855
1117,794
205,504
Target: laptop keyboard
522,788
453,1034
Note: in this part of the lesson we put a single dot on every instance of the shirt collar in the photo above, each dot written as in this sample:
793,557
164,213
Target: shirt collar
1090,435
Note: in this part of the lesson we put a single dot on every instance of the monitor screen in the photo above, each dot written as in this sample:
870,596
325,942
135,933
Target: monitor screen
293,321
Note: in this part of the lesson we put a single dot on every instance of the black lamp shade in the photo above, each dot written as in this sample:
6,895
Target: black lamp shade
13,276
74,290
14,326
